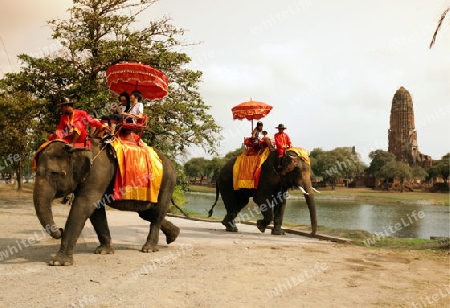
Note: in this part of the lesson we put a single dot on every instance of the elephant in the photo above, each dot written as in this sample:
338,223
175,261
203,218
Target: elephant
271,193
89,176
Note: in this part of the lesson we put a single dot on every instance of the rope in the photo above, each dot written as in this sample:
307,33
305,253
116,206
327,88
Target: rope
98,153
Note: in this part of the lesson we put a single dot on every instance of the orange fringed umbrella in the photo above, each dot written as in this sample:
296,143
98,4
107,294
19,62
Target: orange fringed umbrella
251,110
129,76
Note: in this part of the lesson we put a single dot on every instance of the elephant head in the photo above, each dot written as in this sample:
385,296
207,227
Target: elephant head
289,162
58,173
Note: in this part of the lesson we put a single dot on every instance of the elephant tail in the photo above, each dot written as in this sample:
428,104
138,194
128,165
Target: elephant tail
210,212
178,207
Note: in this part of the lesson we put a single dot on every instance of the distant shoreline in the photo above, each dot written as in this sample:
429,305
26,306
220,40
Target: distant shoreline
362,194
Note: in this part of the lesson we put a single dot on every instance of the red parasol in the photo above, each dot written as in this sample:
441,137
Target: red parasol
251,110
129,76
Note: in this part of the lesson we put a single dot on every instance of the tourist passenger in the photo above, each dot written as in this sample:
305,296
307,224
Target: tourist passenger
264,140
137,107
118,112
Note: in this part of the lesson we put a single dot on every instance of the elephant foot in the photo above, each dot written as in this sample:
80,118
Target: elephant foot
261,225
230,226
61,260
149,248
172,235
278,232
231,229
104,249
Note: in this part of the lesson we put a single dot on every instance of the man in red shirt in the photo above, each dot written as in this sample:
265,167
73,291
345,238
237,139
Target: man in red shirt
282,142
72,124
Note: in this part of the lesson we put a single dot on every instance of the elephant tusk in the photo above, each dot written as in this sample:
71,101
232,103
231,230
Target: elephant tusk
315,190
303,190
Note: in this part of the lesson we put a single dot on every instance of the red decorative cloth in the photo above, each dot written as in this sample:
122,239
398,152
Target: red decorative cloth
247,168
139,172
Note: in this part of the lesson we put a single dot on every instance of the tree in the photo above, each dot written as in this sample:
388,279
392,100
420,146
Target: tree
196,167
379,159
396,169
322,163
337,163
19,116
419,173
441,168
232,154
100,33
438,27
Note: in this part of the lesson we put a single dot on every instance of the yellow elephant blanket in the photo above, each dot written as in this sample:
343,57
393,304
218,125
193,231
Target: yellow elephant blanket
302,153
247,168
139,172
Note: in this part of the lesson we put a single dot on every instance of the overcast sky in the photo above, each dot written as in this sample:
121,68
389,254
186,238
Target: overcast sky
329,68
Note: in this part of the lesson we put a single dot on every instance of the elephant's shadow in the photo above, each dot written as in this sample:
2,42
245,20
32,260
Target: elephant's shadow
19,251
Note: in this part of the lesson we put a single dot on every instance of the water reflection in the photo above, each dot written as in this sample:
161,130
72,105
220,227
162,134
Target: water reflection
416,221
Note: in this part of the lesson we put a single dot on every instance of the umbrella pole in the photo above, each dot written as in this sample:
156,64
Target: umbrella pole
252,125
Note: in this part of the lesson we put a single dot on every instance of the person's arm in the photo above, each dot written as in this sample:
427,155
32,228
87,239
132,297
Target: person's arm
87,119
254,133
115,108
62,130
140,110
288,141
121,110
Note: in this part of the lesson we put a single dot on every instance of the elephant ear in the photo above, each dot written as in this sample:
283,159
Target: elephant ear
81,165
290,161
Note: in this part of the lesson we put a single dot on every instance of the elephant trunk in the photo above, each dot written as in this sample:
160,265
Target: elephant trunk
312,212
43,196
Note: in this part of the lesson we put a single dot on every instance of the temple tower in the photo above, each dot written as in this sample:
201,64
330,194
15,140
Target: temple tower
402,138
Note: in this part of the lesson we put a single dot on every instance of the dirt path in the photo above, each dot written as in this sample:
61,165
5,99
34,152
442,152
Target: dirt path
207,267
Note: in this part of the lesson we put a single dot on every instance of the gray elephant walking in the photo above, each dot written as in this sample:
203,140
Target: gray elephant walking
271,193
89,176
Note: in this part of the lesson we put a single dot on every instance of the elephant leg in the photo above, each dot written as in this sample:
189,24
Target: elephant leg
278,219
170,231
98,220
152,238
265,202
262,224
229,223
74,225
155,219
234,203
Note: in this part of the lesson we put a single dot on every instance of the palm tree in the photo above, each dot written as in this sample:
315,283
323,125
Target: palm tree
439,26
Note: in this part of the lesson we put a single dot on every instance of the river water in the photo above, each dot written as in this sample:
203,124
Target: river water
413,220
